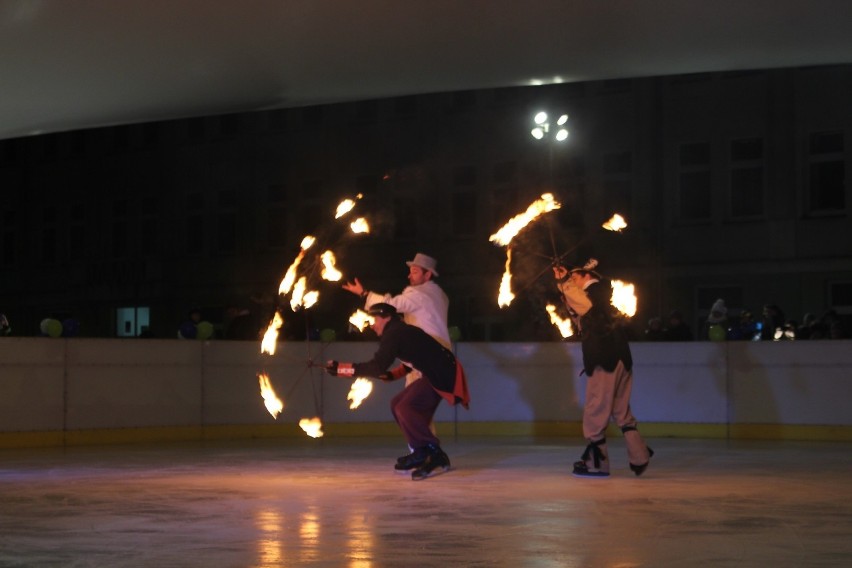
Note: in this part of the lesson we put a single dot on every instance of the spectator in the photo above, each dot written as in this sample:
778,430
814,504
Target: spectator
5,327
773,322
717,322
805,330
677,329
655,331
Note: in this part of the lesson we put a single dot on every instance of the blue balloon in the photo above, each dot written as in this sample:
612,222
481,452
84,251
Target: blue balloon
187,330
70,327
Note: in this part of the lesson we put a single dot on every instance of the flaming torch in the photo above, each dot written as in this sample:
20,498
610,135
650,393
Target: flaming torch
360,390
272,402
311,426
345,207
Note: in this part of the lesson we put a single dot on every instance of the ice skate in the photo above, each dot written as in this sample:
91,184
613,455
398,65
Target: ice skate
640,469
436,462
412,460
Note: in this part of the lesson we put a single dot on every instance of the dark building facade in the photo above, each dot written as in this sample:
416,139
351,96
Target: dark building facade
734,186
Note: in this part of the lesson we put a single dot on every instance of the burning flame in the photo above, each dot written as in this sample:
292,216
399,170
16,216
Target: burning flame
361,319
514,226
623,297
290,277
360,225
505,295
616,223
329,271
310,298
298,293
311,426
563,325
345,207
270,337
360,390
272,402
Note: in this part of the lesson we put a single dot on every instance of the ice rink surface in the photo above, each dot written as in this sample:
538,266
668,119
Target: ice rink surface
506,502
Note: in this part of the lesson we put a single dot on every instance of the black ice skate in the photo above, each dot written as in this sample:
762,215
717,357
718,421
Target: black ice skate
412,460
436,462
640,469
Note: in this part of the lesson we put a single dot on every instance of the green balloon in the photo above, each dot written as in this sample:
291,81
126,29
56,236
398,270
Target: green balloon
455,333
205,330
717,332
328,335
52,327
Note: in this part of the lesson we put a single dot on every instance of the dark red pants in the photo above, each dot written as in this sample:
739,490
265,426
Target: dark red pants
413,409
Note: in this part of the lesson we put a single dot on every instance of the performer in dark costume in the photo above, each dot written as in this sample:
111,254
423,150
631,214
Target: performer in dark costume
414,407
608,363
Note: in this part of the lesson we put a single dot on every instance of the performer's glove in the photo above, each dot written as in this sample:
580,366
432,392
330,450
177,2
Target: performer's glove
395,373
336,369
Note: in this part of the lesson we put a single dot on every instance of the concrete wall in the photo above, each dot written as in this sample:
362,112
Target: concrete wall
75,391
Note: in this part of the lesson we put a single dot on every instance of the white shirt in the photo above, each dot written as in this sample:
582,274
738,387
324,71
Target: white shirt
424,306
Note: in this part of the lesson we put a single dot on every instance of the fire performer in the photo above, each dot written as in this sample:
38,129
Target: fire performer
415,406
422,303
608,363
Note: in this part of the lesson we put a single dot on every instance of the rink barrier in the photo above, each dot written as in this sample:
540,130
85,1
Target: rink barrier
83,391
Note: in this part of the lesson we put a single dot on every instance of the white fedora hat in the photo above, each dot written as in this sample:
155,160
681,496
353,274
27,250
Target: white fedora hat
425,262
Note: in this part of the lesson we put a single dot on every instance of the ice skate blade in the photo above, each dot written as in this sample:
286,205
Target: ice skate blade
417,475
591,475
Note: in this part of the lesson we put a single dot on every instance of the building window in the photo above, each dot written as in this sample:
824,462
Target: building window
747,167
132,321
694,197
827,173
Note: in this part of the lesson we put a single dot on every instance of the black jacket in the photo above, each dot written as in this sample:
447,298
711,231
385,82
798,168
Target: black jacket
602,332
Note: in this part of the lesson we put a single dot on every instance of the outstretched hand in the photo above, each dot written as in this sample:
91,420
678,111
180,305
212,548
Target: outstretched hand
355,287
559,272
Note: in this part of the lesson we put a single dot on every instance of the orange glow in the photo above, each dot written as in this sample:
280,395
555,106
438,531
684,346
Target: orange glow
270,337
360,390
624,297
272,402
298,292
360,225
361,320
344,207
310,298
514,226
616,223
563,325
505,295
329,271
290,277
311,426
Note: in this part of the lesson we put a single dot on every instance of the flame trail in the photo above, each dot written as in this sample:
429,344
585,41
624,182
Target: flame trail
563,325
272,402
298,292
290,277
505,295
360,390
514,226
345,207
329,271
270,337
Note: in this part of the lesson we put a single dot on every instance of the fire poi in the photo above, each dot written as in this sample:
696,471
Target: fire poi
296,281
623,294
